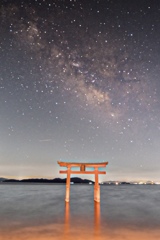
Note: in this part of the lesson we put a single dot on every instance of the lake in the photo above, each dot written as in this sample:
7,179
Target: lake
38,211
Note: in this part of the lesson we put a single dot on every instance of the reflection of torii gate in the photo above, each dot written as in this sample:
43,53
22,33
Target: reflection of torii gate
83,167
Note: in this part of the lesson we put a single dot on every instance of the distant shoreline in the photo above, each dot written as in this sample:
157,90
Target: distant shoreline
39,183
73,180
73,184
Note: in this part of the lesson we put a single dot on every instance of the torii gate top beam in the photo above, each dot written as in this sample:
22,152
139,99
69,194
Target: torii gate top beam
74,164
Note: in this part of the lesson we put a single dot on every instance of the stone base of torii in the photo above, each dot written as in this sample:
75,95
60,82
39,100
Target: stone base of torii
82,170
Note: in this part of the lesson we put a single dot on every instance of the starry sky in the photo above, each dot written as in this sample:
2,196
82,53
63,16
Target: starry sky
80,81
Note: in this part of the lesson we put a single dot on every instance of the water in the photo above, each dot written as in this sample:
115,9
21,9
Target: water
30,212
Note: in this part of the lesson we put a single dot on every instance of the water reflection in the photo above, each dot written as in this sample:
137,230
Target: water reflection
83,228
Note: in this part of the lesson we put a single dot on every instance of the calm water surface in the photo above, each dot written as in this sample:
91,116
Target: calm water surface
39,212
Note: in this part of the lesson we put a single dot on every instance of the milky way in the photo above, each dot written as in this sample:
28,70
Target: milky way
83,77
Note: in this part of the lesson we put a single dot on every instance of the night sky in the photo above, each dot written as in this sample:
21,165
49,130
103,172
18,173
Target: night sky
80,81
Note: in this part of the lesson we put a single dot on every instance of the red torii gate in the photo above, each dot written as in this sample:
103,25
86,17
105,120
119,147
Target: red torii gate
82,167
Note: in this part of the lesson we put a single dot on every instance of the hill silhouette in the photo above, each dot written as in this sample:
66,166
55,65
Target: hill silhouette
43,180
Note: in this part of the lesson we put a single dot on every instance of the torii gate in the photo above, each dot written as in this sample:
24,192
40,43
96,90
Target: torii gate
83,166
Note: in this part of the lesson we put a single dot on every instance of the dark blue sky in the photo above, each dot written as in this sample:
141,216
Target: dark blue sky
79,81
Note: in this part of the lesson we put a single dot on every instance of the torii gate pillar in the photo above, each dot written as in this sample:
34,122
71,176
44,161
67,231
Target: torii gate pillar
83,166
96,187
68,185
